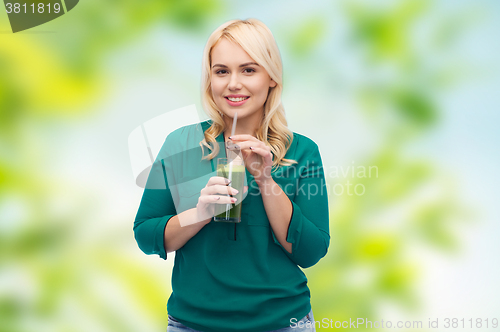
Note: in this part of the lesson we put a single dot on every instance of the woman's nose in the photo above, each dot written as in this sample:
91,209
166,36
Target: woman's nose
234,83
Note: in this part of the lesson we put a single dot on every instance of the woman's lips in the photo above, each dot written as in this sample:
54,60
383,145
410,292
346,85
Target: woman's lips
236,103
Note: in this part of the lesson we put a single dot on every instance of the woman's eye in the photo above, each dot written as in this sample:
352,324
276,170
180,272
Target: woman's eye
221,71
249,70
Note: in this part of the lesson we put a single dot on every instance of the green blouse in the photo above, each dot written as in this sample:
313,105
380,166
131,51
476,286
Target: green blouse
236,277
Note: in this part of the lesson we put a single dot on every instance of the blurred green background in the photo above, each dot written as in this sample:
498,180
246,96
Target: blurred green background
408,87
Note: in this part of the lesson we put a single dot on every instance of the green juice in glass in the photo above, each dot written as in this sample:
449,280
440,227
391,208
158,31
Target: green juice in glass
231,212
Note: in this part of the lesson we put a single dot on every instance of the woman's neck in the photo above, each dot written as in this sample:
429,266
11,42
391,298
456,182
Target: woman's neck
241,130
246,126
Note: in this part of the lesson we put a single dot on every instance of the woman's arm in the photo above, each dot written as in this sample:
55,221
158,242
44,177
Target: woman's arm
158,228
176,236
301,226
258,161
278,209
156,210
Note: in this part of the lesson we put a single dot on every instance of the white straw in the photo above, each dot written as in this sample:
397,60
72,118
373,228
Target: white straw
235,119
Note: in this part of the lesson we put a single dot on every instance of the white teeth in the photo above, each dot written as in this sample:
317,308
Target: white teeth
236,99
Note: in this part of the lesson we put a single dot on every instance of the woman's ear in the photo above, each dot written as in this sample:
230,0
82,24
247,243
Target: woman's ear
272,84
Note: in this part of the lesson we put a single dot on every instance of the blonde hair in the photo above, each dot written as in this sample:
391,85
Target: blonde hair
258,41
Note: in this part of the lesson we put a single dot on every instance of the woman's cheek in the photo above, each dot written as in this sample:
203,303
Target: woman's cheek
216,87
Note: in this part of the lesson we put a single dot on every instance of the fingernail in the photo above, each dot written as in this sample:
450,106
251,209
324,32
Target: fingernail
230,137
233,200
251,148
235,191
218,197
228,181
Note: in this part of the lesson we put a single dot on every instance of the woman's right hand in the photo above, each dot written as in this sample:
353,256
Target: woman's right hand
216,191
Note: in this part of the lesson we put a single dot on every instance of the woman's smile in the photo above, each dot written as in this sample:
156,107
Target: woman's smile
236,100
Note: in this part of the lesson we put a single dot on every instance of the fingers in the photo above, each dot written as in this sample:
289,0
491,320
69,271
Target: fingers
247,144
243,138
242,142
217,180
216,199
264,153
219,189
232,146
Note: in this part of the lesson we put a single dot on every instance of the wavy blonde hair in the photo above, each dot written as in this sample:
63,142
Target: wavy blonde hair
258,41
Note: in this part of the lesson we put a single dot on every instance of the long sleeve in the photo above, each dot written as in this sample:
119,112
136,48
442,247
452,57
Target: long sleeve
308,231
156,208
174,184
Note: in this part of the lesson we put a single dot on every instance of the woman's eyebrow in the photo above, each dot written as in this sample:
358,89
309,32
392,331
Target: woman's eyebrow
249,63
242,65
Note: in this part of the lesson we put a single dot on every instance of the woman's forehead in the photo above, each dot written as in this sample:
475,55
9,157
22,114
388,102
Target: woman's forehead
229,53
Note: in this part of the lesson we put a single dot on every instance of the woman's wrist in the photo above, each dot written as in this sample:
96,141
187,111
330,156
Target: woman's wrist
266,184
202,218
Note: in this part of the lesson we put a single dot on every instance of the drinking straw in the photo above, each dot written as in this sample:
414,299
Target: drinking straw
235,119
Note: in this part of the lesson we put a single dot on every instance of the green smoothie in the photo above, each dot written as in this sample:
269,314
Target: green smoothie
237,181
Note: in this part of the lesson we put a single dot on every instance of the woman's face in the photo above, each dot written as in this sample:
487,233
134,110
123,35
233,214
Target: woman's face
239,84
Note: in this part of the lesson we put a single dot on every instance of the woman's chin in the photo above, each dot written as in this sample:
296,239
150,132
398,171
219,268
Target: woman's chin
231,113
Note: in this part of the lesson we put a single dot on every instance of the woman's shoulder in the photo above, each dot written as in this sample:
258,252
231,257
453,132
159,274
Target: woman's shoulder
188,131
302,149
184,138
303,143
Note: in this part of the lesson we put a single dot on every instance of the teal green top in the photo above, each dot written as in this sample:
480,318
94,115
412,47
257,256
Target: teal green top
236,277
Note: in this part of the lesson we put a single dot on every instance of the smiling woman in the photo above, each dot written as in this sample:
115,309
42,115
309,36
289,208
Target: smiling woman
241,60
243,276
238,83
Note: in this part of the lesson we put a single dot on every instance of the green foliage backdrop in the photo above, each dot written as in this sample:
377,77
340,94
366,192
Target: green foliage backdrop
389,85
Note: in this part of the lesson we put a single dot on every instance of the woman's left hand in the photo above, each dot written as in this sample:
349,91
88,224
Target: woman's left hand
257,156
